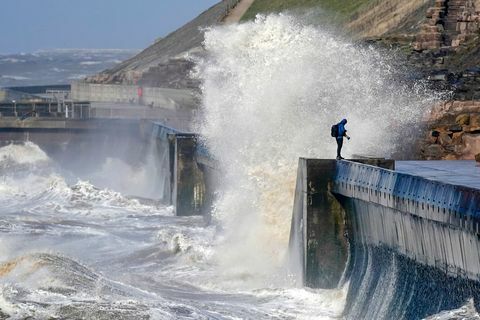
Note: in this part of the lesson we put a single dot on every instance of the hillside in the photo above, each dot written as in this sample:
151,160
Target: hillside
341,9
361,18
439,37
440,43
163,64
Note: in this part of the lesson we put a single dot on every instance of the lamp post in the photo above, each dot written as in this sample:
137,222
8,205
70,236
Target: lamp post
15,108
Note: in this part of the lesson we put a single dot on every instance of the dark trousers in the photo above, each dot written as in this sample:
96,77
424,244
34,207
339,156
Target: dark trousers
339,146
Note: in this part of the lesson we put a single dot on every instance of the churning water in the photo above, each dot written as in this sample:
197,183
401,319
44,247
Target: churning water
271,90
76,251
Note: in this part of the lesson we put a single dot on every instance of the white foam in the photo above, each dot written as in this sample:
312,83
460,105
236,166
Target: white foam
27,153
14,77
13,60
271,90
466,312
90,63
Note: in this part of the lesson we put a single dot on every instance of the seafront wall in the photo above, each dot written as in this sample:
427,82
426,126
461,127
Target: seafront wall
318,246
407,247
192,172
431,222
167,98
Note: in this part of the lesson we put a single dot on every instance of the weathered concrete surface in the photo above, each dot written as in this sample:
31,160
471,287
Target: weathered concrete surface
166,98
189,187
317,237
432,222
460,172
412,242
193,174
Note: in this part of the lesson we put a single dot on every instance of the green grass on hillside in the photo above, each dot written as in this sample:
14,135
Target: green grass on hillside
343,9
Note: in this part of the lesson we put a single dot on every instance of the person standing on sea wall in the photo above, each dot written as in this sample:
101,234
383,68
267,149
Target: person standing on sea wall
338,132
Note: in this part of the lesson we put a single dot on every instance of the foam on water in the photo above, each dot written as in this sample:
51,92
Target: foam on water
271,90
75,249
27,153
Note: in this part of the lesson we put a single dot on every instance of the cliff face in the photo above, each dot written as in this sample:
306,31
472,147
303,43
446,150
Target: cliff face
164,63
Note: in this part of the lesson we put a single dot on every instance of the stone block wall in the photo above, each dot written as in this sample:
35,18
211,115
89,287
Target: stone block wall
450,23
454,131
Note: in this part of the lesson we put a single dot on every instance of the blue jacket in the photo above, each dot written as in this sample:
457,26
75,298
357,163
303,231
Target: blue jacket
341,128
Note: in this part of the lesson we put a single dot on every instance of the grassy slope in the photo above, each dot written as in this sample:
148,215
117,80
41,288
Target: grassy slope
343,8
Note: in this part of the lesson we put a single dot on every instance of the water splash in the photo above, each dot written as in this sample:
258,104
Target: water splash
65,249
271,90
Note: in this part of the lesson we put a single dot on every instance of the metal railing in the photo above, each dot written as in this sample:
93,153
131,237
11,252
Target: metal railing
65,110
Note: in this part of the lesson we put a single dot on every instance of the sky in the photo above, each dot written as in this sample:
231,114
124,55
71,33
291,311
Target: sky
31,25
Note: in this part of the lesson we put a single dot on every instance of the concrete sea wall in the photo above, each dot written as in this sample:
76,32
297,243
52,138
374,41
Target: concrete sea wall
192,172
444,231
318,247
155,97
412,245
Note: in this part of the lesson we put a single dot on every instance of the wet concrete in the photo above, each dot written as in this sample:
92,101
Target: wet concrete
458,172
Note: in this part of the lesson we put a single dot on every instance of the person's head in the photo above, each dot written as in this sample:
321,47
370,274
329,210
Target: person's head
344,121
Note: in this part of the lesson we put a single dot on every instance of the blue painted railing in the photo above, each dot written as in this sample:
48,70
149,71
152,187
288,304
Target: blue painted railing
434,200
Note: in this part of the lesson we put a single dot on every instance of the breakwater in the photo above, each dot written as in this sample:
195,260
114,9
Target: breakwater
191,176
406,246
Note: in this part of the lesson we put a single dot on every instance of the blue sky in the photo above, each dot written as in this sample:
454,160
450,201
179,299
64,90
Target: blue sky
30,25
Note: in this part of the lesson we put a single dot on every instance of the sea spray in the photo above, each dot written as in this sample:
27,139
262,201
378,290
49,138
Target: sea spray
271,90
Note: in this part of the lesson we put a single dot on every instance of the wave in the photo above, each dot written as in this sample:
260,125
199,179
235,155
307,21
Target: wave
90,63
32,179
15,78
43,285
271,90
13,60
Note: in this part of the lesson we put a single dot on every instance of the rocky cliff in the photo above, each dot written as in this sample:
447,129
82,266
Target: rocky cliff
447,51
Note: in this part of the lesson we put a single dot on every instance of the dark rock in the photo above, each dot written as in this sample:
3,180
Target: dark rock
434,151
455,128
472,129
445,139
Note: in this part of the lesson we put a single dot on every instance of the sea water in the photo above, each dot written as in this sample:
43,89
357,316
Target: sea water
75,248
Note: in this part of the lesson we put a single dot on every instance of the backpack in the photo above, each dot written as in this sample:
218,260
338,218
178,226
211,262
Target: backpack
334,131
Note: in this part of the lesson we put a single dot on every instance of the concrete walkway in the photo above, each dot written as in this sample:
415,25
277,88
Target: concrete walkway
457,172
237,13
